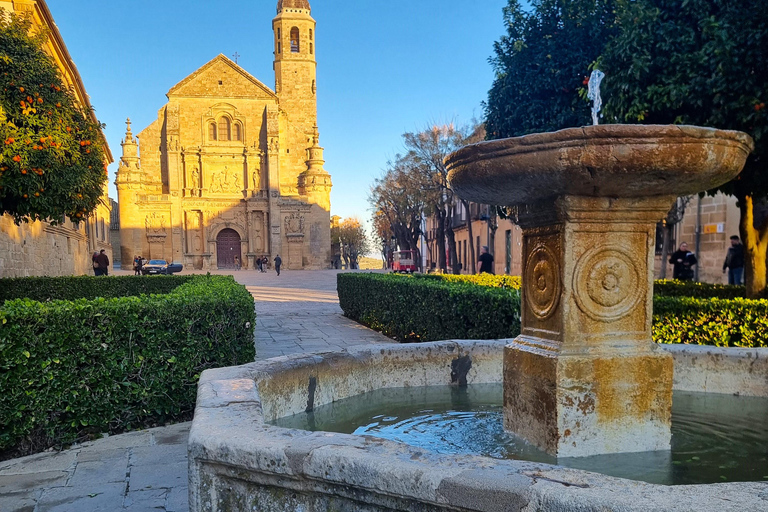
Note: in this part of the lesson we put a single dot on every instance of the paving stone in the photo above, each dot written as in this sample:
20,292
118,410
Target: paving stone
19,502
177,500
172,434
97,498
112,470
41,462
31,481
158,476
88,454
160,454
128,440
152,499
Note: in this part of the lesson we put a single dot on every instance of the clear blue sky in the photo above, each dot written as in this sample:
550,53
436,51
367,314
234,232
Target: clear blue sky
384,67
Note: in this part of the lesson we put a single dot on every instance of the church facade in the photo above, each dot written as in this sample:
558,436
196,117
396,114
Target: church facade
232,170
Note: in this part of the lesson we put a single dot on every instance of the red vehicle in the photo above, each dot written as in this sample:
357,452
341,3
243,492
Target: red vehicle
404,261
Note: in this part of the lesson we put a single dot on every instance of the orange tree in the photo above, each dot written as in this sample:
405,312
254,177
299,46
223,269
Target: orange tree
52,162
699,62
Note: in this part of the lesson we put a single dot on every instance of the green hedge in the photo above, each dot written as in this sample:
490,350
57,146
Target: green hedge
86,287
661,287
667,288
722,322
410,308
72,369
419,309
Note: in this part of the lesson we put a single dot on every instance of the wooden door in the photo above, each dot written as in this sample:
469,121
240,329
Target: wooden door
227,247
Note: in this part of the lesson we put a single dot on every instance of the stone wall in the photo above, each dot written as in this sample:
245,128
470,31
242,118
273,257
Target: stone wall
39,249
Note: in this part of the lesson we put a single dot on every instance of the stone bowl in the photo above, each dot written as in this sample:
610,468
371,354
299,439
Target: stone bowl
599,161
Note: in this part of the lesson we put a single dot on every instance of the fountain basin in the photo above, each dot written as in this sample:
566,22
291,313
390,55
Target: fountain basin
240,463
598,161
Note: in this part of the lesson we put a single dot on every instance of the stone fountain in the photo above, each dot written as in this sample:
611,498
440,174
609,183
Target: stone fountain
584,377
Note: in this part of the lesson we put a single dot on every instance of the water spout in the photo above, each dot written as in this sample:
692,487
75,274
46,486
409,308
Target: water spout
593,93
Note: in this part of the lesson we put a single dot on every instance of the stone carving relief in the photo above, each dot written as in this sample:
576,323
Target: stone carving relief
294,224
257,224
194,181
225,181
194,233
542,281
155,224
607,284
274,145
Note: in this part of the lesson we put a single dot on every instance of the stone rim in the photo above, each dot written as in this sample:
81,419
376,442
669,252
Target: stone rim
578,161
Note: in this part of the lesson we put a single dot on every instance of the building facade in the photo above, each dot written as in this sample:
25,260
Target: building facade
232,170
39,248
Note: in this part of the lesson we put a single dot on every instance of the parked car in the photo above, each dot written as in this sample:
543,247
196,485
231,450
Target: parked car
155,267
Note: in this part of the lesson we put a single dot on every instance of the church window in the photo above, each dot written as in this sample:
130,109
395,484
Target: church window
236,132
278,33
211,131
310,34
311,49
279,47
224,129
295,40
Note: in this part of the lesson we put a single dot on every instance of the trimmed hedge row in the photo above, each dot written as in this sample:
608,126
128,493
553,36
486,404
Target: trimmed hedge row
85,287
735,322
661,287
408,308
419,309
72,369
668,288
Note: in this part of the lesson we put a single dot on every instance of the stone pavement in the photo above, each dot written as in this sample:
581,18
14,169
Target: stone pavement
297,311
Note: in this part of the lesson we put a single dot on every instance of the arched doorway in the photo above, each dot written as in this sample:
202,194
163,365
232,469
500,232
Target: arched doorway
227,247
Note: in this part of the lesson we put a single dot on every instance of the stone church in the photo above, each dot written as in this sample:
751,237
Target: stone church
232,170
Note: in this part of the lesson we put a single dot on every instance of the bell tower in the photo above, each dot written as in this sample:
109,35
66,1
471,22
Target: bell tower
295,64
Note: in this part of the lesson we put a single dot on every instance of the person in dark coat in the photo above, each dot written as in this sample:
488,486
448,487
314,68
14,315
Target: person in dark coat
485,261
683,261
103,262
734,261
278,263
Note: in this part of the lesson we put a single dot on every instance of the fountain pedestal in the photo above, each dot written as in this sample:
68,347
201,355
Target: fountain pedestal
584,376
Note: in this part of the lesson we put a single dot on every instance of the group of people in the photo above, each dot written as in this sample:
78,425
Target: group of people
262,263
100,262
683,261
138,265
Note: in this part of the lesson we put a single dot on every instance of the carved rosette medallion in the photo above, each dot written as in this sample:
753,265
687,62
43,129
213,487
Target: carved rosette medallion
607,284
542,282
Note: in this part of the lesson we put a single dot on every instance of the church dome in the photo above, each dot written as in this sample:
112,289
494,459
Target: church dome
292,4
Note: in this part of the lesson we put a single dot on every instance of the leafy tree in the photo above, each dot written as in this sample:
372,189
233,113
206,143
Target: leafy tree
52,161
352,239
700,62
426,152
542,65
399,203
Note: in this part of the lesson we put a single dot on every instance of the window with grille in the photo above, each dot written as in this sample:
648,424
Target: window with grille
223,129
295,40
212,131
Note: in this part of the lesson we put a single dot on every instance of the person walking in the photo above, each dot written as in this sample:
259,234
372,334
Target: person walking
259,264
278,263
237,262
264,263
485,261
139,265
683,261
103,262
734,261
96,269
